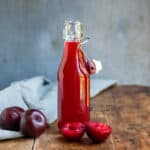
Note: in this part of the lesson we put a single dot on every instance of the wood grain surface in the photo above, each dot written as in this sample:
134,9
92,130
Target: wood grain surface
125,108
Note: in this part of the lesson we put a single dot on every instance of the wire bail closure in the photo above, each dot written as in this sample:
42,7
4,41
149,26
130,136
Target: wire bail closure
84,40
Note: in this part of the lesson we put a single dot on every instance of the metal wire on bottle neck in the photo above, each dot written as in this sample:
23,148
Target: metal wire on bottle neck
84,40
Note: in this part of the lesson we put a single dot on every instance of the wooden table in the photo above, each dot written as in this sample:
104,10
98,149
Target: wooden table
125,108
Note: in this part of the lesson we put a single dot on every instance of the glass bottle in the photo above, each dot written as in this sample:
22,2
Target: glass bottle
74,77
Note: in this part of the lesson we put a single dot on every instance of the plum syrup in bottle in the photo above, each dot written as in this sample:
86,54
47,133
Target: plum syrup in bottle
73,77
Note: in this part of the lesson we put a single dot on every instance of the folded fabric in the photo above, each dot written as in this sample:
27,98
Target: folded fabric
39,93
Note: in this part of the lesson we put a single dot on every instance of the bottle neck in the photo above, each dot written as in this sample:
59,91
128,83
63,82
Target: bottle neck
73,30
71,50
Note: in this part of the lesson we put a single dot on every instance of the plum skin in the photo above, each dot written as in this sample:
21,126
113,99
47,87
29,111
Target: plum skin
10,118
33,123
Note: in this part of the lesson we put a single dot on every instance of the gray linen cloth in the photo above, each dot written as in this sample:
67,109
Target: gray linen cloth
39,93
